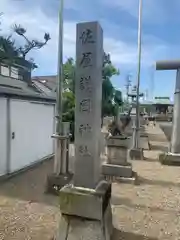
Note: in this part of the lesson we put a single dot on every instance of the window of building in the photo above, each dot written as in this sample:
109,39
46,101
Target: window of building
5,70
14,72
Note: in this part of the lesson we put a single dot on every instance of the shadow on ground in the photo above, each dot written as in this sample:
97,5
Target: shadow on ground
159,147
161,183
30,185
156,137
147,159
118,201
120,235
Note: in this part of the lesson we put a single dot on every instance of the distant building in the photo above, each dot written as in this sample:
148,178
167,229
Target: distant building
46,84
163,104
158,105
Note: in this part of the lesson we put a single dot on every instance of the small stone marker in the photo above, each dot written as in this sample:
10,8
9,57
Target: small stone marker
88,87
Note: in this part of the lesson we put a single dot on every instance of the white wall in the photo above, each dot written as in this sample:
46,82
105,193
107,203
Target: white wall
32,124
3,135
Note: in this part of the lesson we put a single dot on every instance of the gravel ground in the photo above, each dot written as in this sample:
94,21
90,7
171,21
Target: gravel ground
149,211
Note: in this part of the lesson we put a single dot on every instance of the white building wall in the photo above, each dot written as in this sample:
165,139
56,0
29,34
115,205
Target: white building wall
33,125
3,136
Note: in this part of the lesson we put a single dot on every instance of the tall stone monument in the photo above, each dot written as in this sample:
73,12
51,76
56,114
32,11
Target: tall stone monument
85,204
88,87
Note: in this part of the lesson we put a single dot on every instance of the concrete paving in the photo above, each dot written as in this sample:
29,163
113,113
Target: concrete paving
167,129
148,211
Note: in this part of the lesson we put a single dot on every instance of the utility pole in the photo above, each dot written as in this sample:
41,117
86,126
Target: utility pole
61,175
59,133
136,135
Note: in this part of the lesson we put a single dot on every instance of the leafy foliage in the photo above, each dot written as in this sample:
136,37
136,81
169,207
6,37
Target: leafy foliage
110,96
69,75
7,48
118,98
29,44
9,52
108,91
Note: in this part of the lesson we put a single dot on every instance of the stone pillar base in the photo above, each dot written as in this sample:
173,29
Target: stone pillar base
117,147
170,159
135,154
144,142
86,213
132,180
117,170
56,182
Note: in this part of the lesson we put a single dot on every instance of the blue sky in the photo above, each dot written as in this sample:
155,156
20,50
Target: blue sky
160,34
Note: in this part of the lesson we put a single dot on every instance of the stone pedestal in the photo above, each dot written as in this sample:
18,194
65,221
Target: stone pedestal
143,142
143,138
117,171
117,165
86,213
117,150
61,175
56,182
135,154
170,159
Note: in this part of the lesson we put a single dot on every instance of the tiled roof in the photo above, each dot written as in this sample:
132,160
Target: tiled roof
157,101
47,81
47,84
163,101
9,86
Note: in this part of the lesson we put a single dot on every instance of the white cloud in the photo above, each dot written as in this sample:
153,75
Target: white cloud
37,22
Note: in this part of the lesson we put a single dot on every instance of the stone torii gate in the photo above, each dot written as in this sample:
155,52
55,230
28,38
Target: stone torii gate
173,156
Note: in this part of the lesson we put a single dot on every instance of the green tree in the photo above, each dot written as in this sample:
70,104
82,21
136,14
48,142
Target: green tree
108,91
68,106
69,75
118,98
69,93
10,53
29,44
7,48
109,95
